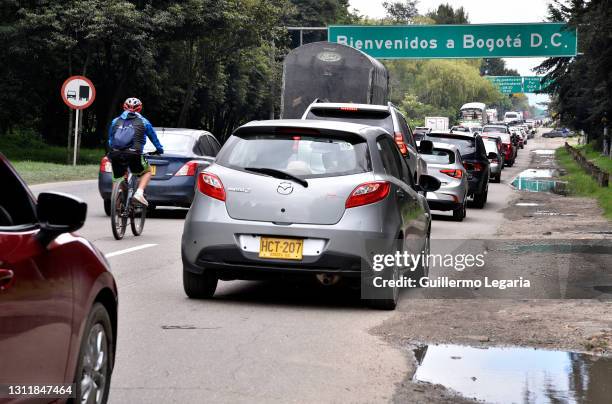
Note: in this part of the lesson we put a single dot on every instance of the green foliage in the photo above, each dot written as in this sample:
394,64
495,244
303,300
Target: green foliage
582,86
594,155
439,87
401,12
195,63
446,14
24,145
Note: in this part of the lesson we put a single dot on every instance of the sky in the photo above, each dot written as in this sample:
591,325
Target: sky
481,12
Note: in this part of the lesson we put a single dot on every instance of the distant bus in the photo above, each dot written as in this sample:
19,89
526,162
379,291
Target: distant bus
473,114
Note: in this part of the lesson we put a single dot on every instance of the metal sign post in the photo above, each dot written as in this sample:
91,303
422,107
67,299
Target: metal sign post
78,92
76,136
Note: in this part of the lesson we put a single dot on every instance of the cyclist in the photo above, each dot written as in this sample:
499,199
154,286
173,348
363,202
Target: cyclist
126,138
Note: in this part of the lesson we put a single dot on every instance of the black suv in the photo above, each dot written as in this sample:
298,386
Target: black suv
475,161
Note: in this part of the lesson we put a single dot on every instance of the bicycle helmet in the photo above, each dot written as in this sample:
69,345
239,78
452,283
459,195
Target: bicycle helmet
132,105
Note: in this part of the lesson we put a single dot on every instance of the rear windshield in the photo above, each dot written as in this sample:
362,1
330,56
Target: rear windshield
511,115
302,156
460,129
174,143
490,146
466,146
364,117
501,129
439,156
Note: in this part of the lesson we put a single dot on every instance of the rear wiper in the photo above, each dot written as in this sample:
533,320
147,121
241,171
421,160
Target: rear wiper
278,174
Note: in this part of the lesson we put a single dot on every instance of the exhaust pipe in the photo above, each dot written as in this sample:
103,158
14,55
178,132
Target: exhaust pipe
327,279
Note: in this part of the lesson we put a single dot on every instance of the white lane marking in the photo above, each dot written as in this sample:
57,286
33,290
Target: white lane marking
129,250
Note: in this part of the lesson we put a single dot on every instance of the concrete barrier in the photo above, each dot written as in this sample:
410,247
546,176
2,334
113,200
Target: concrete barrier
600,176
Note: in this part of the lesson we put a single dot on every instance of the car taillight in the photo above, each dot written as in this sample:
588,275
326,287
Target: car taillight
473,166
453,173
367,193
209,184
105,165
353,109
399,139
188,169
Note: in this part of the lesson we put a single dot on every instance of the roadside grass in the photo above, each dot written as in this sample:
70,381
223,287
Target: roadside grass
37,172
603,162
581,184
38,162
29,146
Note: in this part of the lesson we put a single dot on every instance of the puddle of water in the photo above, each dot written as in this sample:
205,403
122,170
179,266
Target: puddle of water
544,152
537,173
539,180
516,375
603,288
527,204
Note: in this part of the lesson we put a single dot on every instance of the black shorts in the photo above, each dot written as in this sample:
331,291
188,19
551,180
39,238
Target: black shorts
124,160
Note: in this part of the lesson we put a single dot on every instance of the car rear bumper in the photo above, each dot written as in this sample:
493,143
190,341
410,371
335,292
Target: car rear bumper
176,191
212,239
447,197
229,263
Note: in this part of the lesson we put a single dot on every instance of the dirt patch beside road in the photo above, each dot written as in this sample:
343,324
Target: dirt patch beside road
569,325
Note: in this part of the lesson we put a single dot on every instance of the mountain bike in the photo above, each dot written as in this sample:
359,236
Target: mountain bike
124,207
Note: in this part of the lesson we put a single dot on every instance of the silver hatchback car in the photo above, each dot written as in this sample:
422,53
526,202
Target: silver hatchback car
302,197
444,162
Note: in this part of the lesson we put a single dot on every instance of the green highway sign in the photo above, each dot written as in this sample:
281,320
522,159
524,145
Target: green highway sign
517,84
458,41
507,84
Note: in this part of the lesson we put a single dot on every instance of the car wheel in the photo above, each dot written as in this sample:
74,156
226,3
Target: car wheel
481,199
459,214
200,286
388,298
107,207
95,361
423,269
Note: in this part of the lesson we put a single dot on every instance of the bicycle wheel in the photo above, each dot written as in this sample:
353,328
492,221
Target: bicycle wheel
118,210
138,214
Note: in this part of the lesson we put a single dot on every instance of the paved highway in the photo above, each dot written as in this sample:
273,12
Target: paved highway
256,341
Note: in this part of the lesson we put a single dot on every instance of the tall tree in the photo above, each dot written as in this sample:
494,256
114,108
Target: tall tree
401,12
581,86
446,14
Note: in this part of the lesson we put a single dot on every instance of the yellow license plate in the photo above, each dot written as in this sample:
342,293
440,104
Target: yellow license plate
281,248
153,169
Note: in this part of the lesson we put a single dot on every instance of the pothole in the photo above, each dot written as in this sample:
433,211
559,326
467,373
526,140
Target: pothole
513,375
544,152
539,180
603,288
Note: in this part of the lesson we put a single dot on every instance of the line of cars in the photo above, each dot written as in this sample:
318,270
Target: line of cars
280,198
301,198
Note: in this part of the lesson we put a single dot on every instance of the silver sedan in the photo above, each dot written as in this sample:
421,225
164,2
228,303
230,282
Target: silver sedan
303,197
444,162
